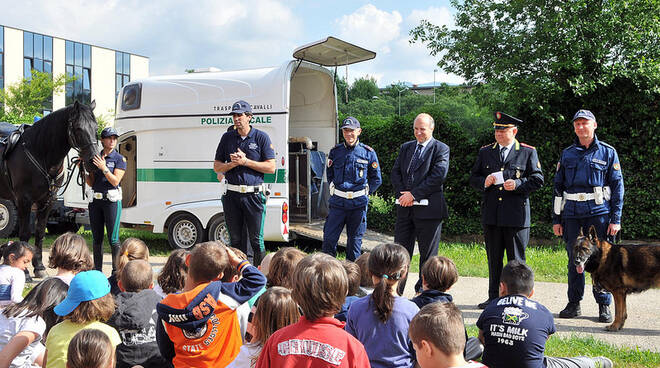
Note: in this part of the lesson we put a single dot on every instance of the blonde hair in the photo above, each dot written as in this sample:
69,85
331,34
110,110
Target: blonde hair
70,252
130,250
276,309
90,348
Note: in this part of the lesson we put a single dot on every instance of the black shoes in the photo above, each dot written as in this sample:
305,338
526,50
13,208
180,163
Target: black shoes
604,314
484,304
572,310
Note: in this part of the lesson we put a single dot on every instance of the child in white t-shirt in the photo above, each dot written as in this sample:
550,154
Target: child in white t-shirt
16,256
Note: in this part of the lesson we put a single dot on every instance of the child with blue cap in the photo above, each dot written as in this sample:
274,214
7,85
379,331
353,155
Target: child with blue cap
87,305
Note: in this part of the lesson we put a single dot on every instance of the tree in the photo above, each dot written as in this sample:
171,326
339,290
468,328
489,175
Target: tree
364,88
342,87
25,100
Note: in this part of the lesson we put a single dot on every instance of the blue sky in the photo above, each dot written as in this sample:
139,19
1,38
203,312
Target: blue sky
179,35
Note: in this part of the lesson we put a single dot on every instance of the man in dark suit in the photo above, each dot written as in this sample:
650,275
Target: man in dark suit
418,175
506,171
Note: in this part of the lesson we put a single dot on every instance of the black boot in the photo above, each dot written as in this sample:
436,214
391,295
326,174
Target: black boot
604,314
572,310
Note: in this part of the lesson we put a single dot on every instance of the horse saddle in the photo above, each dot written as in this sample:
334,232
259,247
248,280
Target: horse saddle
9,136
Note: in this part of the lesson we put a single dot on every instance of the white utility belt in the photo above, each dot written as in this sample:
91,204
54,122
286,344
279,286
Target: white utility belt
245,188
348,195
113,195
599,195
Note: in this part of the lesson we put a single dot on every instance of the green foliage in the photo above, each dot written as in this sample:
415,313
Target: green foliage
374,107
342,90
379,213
25,100
364,88
103,120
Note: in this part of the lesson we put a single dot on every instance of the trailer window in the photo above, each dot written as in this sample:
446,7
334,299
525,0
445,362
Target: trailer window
131,96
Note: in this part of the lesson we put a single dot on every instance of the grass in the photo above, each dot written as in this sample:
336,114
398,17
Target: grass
559,346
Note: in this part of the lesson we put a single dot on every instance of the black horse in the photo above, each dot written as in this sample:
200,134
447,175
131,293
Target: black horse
34,170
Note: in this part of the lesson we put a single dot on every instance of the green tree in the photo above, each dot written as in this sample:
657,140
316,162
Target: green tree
364,88
342,87
24,100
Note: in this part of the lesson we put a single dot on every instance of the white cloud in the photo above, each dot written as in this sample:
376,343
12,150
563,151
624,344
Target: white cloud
437,16
371,27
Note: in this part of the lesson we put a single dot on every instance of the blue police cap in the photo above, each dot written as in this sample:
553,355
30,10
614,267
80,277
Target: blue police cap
583,114
350,123
504,121
109,132
240,107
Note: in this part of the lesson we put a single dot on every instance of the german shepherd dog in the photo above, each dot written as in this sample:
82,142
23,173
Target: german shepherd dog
621,269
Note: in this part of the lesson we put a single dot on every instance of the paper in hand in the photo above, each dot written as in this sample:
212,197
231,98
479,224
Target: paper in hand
499,177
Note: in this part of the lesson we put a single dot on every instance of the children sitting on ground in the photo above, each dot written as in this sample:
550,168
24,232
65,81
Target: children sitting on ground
130,250
90,348
353,273
276,309
16,256
230,274
366,283
263,267
172,276
438,275
69,255
199,326
380,320
280,272
317,339
437,336
514,328
135,317
87,305
23,325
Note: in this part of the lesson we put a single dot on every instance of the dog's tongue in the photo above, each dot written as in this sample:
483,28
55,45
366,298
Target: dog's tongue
580,268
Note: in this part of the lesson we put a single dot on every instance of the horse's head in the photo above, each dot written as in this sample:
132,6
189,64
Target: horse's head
586,251
82,128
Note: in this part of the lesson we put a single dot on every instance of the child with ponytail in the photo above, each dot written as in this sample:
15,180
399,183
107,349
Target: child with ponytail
380,320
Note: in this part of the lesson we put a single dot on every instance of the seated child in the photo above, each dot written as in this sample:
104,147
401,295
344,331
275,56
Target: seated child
130,250
437,336
135,317
69,255
317,339
16,256
280,272
88,304
380,320
514,328
230,274
172,276
353,273
90,348
276,309
199,326
23,325
366,283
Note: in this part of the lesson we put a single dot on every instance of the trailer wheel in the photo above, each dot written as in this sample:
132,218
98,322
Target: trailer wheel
8,218
184,231
218,230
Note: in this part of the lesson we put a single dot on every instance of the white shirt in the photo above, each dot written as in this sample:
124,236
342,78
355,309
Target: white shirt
424,144
11,326
12,282
508,148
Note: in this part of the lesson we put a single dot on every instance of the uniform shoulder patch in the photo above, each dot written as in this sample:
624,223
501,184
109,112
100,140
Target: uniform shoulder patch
374,165
527,145
616,166
367,147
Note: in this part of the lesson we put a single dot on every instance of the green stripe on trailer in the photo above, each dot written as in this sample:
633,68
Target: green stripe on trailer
195,176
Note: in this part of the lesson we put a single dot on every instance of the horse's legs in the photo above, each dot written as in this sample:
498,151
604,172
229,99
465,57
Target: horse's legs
39,232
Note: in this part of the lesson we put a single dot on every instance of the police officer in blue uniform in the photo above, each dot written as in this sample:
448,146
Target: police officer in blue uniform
353,173
506,172
244,155
588,189
105,208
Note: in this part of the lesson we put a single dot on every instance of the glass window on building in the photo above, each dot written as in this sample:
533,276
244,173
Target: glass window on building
122,71
38,55
79,65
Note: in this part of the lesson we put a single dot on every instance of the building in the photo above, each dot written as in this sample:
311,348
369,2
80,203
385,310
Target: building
100,72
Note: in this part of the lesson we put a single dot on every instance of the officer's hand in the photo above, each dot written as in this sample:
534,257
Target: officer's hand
558,229
406,199
233,258
221,176
490,180
510,184
613,229
99,162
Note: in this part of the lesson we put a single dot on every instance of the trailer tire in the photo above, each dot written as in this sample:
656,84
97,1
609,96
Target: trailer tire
218,230
8,218
184,231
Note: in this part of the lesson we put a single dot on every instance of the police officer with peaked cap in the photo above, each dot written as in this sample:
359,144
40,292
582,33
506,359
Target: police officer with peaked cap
588,189
506,172
353,173
105,208
244,155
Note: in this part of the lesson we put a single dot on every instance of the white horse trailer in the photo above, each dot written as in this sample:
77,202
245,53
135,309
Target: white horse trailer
170,127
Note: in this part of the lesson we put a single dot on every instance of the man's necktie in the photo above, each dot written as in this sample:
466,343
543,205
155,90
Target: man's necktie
503,153
413,164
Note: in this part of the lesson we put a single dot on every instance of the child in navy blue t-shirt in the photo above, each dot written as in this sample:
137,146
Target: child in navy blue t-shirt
514,328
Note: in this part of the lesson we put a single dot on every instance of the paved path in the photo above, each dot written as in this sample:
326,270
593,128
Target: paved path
642,329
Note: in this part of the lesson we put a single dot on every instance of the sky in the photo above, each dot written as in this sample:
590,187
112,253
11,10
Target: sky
178,35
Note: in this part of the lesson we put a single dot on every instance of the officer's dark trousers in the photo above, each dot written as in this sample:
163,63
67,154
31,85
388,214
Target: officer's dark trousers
498,239
426,231
103,213
248,209
576,280
355,220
